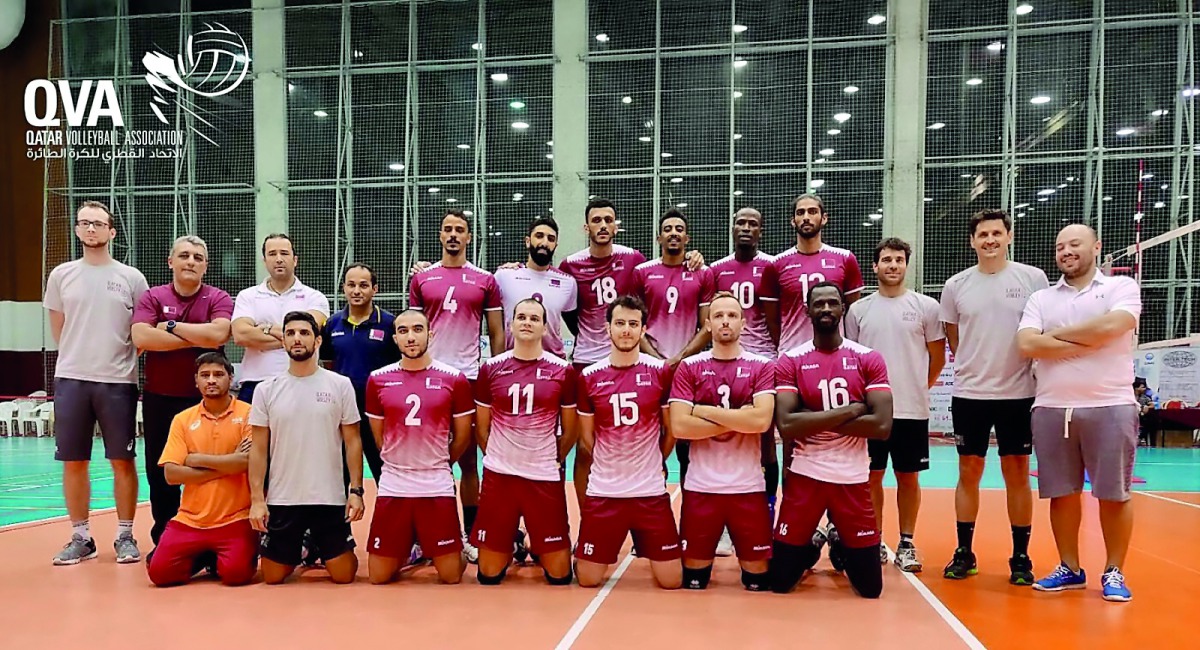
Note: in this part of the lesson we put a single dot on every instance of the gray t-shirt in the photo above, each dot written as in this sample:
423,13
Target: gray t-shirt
900,329
98,303
987,309
305,415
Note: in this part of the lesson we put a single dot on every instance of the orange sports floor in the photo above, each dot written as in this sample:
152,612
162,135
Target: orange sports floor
100,605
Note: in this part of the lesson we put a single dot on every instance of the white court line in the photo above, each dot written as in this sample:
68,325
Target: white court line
938,606
573,634
1159,496
50,520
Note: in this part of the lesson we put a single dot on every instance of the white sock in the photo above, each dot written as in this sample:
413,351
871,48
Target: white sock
124,528
82,529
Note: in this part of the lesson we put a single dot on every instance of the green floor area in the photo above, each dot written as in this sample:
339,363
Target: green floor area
30,479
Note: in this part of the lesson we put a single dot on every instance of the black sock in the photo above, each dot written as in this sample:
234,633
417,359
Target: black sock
771,473
966,534
906,540
1020,535
469,518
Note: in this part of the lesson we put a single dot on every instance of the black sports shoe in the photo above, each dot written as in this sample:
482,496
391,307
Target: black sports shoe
836,558
309,555
520,552
961,566
1020,570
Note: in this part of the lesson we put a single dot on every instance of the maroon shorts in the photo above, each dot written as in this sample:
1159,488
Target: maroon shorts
504,499
705,515
605,521
431,522
806,500
235,545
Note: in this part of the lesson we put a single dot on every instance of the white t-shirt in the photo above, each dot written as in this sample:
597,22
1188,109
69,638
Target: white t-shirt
900,329
98,303
554,289
305,415
262,305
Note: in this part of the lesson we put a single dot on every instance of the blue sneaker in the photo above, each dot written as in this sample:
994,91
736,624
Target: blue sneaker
1114,586
1061,579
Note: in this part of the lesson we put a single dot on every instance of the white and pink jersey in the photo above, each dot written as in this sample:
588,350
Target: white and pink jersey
454,300
626,405
417,409
525,398
730,463
673,297
599,282
745,281
825,381
553,288
789,277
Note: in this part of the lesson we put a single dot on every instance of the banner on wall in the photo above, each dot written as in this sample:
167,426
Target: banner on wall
1172,373
940,420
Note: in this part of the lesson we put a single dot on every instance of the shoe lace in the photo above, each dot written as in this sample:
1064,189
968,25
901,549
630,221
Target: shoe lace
1114,579
1061,571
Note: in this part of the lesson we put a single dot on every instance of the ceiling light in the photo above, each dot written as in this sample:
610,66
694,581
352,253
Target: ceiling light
877,19
517,196
520,125
451,199
1160,112
1191,91
936,125
1046,192
1021,207
967,175
1039,99
291,87
738,192
434,190
1160,205
603,38
476,46
626,100
516,105
1184,197
738,163
826,152
1108,198
737,94
499,77
677,180
320,113
817,183
818,161
928,200
866,224
464,146
1062,186
1070,179
358,54
841,117
1164,186
833,131
738,29
649,124
1043,199
974,81
396,167
468,213
738,64
1024,8
850,90
549,143
550,156
681,205
1124,131
995,46
645,138
737,136
1147,176
667,155
875,217
1021,214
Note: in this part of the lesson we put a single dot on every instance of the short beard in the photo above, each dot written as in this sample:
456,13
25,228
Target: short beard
808,235
821,329
630,349
302,356
540,258
1083,270
420,354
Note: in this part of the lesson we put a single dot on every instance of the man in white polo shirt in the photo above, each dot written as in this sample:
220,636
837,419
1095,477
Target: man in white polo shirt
1085,417
259,310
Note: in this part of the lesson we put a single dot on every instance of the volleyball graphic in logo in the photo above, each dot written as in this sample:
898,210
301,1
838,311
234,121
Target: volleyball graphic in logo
214,63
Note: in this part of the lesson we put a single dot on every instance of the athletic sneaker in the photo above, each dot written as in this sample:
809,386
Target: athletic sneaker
835,549
883,554
127,550
1061,579
309,555
415,556
1020,570
470,552
961,565
819,540
1114,585
520,551
725,545
906,559
76,551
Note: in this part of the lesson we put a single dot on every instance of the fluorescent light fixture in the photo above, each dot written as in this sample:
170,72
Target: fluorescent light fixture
681,205
627,100
738,192
1062,186
1039,99
1047,192
1160,112
550,156
291,87
833,131
320,113
1021,206
468,213
499,77
434,190
1160,205
995,46
645,138
738,64
396,167
936,125
1147,176
517,196
877,19
1124,131
603,38
974,81
1164,186
739,29
476,46
928,200
666,154
826,152
1043,199
737,94
677,180
817,183
1108,198
850,90
1024,8
549,143
516,104
737,136
451,199
520,126
875,217
841,117
464,146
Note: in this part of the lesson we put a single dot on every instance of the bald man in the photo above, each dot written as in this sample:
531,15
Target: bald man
1079,332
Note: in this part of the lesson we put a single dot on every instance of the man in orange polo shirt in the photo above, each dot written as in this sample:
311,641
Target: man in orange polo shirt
208,451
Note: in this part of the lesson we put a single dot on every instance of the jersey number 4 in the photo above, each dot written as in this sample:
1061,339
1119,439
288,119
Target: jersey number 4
622,402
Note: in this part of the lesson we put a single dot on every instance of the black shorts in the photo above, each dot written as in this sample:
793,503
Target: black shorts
974,418
79,405
285,532
908,446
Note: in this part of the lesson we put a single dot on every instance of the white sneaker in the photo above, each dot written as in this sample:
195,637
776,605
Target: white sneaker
883,554
907,560
470,552
725,546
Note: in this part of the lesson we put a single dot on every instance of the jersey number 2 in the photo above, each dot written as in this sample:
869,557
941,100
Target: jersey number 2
412,419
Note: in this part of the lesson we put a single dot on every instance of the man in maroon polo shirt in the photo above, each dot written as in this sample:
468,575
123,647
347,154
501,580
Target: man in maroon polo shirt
173,324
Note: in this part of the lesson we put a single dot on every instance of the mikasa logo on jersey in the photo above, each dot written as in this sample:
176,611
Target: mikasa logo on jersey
810,366
655,276
725,273
708,373
602,384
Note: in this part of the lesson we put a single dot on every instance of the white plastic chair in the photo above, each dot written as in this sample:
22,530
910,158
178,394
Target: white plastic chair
36,421
8,419
23,414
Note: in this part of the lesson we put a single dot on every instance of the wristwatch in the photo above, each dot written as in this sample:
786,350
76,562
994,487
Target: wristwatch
171,326
356,491
267,329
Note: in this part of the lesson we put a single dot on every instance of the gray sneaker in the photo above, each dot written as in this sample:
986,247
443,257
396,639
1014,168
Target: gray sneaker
76,551
907,560
883,554
127,549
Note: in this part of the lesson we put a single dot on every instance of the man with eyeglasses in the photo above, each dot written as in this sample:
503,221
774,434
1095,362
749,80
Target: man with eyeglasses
91,302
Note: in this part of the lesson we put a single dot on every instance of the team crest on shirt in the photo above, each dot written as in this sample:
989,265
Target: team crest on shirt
237,420
849,363
827,264
195,425
376,335
742,372
910,317
617,265
757,271
687,276
467,279
555,282
168,310
324,397
643,379
433,383
543,374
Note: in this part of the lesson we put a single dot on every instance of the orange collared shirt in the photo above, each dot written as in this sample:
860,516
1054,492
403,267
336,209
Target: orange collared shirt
221,501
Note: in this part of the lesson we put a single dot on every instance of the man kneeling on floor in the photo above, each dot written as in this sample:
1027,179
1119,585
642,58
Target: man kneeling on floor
207,452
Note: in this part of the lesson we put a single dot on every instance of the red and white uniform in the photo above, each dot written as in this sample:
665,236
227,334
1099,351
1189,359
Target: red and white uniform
627,492
745,281
454,300
673,297
553,288
599,281
416,490
830,469
724,486
788,279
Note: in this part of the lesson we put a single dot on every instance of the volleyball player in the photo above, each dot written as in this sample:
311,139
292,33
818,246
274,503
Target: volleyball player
832,396
623,427
540,280
722,400
521,395
993,387
420,413
904,327
456,295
